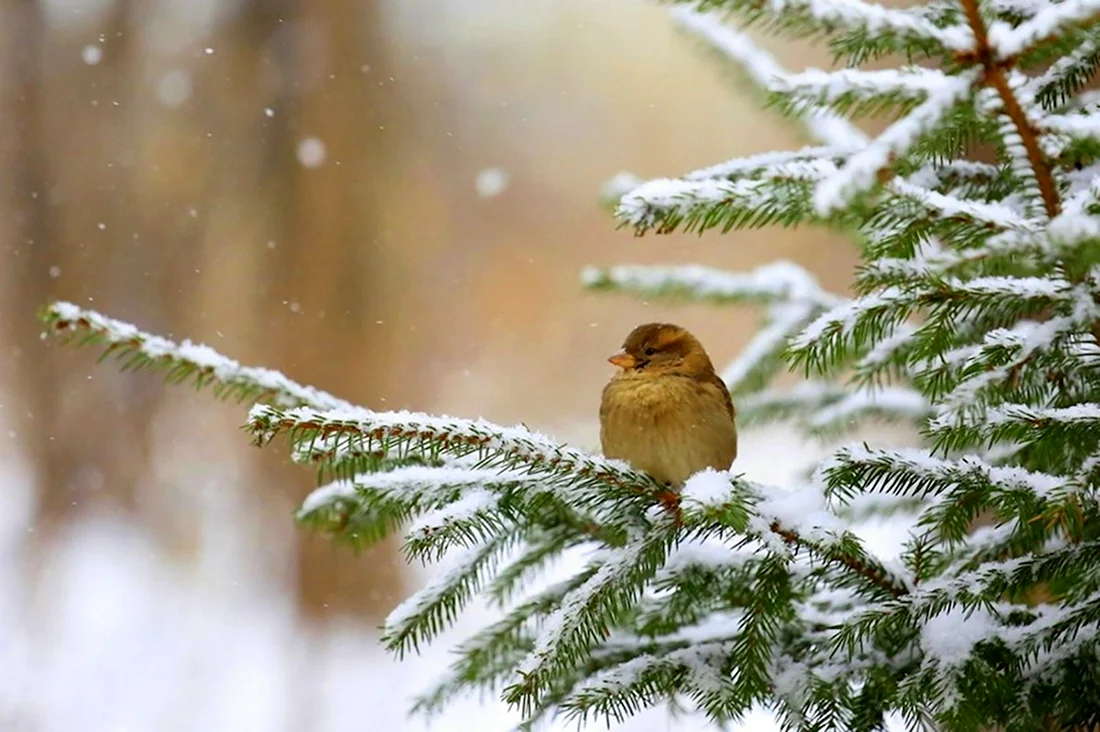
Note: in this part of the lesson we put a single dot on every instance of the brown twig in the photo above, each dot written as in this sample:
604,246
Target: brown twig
994,76
874,575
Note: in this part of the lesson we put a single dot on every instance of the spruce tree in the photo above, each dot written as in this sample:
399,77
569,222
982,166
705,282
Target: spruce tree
975,320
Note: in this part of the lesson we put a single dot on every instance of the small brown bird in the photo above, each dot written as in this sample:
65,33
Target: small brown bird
666,412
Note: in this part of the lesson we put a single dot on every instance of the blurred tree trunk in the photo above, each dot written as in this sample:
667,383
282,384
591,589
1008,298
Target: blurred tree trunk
154,186
322,280
70,198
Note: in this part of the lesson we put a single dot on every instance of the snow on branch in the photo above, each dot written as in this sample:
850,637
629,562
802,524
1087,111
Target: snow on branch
785,520
664,205
762,68
183,362
863,168
857,468
584,478
1009,42
854,15
994,371
996,216
570,632
874,318
779,281
856,90
1056,85
811,403
432,608
1078,225
808,163
1017,422
453,506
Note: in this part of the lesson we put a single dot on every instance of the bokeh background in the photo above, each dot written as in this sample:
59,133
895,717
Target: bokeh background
388,199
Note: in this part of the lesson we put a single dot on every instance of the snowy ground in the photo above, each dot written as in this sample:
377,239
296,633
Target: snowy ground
125,641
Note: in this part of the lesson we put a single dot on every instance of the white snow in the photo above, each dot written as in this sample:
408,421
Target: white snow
781,279
828,87
491,182
92,54
996,214
843,318
948,638
311,152
470,504
326,495
174,88
802,509
1008,41
707,488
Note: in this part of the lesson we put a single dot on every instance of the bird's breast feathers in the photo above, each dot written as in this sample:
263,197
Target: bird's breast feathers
670,426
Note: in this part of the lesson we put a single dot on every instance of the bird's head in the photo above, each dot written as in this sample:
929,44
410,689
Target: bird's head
660,349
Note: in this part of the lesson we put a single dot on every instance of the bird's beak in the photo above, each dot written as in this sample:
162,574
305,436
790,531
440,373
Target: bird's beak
623,360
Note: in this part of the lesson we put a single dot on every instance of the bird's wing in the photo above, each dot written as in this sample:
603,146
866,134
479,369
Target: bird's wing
716,380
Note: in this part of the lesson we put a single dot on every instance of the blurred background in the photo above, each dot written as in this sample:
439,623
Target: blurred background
388,199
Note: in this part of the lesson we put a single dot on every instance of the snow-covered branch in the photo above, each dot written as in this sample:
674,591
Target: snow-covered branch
762,68
780,281
184,361
863,169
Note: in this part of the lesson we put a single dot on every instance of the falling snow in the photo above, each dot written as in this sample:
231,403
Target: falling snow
491,182
173,88
311,152
92,54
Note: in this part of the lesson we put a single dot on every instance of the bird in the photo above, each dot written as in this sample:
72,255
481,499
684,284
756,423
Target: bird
666,412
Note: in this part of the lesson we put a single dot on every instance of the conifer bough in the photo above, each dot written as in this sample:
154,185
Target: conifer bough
975,322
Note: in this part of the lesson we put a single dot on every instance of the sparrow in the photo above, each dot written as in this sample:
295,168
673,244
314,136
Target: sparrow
666,412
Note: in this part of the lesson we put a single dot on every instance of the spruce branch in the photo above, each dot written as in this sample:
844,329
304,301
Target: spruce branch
588,479
761,67
777,282
665,205
429,610
827,409
866,167
855,91
781,520
1004,43
808,18
583,617
490,656
1068,74
993,217
623,690
182,362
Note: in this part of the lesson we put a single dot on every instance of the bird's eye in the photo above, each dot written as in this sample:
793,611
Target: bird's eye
650,351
